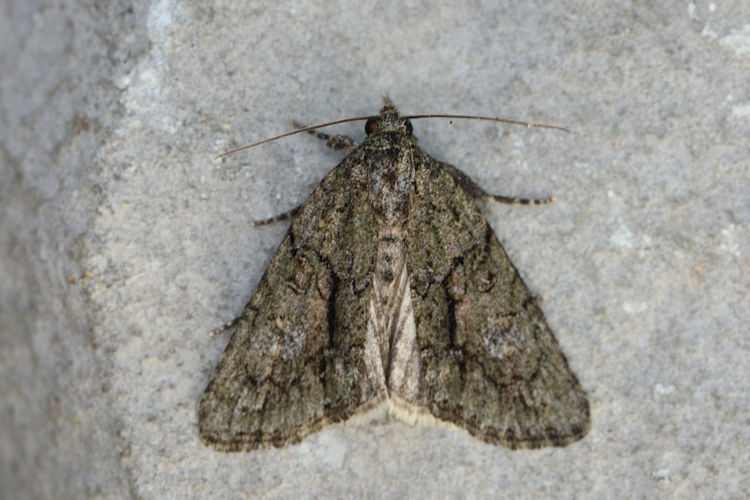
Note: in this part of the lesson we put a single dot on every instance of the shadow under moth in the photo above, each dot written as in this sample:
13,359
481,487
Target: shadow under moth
390,292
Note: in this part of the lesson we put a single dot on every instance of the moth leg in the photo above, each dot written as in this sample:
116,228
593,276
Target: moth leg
286,215
335,142
476,192
226,326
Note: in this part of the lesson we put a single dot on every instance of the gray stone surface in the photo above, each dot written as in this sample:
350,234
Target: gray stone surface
123,244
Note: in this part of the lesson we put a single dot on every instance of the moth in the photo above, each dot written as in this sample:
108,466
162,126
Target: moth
390,292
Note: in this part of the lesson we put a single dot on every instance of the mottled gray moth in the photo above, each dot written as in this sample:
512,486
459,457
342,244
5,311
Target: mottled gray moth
390,292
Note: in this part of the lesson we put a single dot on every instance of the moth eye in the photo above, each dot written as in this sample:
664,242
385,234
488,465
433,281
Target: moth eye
371,126
407,125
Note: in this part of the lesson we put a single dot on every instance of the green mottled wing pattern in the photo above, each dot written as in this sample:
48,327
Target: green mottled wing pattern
489,362
295,361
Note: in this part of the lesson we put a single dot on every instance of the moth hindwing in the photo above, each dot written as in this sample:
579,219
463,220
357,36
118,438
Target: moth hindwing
390,288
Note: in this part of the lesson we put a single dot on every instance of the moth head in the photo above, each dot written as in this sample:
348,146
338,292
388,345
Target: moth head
388,121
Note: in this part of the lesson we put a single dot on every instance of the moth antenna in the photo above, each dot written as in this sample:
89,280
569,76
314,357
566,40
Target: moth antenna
412,117
298,131
491,119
